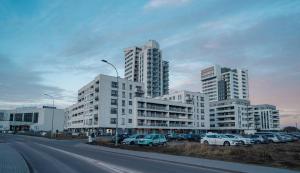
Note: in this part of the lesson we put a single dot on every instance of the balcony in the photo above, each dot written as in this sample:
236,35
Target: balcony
180,125
153,124
153,115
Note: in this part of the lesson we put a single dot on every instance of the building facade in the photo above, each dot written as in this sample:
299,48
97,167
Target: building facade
32,118
231,115
97,109
145,64
222,83
200,104
99,102
266,117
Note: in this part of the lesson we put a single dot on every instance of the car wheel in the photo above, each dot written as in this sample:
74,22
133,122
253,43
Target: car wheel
226,143
131,143
205,143
242,142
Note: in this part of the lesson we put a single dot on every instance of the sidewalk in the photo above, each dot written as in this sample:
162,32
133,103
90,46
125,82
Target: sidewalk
11,161
205,163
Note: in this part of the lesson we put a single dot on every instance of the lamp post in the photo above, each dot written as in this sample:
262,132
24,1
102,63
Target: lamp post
117,122
52,113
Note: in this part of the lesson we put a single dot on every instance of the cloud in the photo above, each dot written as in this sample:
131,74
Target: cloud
163,3
21,85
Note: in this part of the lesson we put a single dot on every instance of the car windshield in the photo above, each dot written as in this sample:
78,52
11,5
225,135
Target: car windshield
230,136
148,136
223,136
133,136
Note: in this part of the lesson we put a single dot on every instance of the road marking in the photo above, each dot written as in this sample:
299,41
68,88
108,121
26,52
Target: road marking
60,166
100,164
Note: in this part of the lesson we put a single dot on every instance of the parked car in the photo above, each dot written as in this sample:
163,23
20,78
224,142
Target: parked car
133,139
286,137
171,136
120,138
273,138
295,135
182,136
244,139
259,138
153,139
219,139
194,137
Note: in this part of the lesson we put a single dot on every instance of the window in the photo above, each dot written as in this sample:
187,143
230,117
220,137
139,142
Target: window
129,120
123,95
11,117
123,111
114,84
114,93
113,110
35,117
211,136
202,117
18,117
28,117
123,102
130,95
1,116
130,111
130,102
202,124
123,121
202,98
130,87
123,86
202,110
113,121
114,102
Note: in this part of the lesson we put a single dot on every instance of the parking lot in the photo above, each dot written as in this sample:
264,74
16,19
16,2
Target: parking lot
279,154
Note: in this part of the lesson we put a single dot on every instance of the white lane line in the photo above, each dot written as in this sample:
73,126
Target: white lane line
51,161
100,164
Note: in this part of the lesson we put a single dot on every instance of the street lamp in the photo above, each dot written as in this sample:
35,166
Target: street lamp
117,122
52,113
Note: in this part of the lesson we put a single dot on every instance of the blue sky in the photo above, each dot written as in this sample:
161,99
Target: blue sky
56,46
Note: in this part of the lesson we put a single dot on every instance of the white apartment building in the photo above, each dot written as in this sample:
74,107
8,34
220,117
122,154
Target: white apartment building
164,116
266,117
200,106
144,64
221,83
32,118
97,107
231,115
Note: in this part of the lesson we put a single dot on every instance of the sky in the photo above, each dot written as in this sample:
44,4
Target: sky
55,46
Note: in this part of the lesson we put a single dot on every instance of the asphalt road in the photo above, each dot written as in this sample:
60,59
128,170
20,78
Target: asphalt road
53,156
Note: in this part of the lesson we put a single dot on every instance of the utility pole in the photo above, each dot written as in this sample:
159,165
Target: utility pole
52,113
117,122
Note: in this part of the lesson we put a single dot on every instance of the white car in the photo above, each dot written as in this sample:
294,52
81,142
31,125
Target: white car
244,141
133,139
219,139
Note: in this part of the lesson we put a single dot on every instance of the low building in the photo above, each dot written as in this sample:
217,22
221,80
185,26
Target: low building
200,104
99,102
231,116
157,115
32,118
266,117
